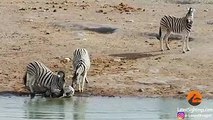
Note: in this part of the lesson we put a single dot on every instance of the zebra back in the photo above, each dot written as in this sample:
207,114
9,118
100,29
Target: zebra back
44,78
178,25
81,56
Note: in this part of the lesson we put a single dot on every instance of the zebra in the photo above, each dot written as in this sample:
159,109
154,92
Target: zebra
81,64
40,79
170,24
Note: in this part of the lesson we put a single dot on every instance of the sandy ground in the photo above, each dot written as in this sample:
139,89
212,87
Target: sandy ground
121,39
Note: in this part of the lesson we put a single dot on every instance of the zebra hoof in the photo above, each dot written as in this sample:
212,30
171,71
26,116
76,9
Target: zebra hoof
168,49
184,51
161,50
188,49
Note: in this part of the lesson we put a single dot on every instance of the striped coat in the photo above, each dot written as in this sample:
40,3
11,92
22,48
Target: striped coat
81,64
40,79
170,24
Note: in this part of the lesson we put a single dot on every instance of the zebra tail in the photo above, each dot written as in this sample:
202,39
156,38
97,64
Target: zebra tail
25,78
160,33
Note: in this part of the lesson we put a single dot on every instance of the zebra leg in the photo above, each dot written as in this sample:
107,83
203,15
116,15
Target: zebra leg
184,42
187,42
83,81
86,80
79,82
161,43
31,80
166,37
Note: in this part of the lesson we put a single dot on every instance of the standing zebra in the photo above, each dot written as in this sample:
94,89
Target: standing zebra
81,64
169,24
40,79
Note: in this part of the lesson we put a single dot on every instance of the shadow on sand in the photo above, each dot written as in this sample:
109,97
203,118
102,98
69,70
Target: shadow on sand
95,28
102,30
172,37
134,56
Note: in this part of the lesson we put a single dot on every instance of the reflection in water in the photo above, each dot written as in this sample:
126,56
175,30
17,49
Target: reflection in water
169,106
45,108
94,108
79,108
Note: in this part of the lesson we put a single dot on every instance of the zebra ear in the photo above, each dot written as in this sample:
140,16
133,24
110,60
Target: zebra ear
61,74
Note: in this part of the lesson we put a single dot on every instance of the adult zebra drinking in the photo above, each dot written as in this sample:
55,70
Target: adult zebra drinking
169,24
40,79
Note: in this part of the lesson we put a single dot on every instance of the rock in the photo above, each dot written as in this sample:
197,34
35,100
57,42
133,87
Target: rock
180,92
99,11
130,21
139,8
47,33
151,44
140,90
33,8
22,9
117,59
104,12
29,20
210,22
158,58
206,10
55,66
65,60
17,48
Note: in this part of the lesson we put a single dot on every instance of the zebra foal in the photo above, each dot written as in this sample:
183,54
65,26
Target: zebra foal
81,64
170,24
40,79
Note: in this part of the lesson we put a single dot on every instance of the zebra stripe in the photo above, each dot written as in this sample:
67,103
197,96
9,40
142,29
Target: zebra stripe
170,24
81,64
40,79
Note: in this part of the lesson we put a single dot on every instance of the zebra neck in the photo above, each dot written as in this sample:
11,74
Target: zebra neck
54,81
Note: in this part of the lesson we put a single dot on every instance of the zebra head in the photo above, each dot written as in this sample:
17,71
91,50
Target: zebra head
68,91
61,80
190,15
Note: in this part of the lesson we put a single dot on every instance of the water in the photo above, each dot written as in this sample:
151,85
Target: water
95,108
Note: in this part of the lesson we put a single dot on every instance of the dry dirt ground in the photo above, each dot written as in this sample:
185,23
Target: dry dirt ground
121,39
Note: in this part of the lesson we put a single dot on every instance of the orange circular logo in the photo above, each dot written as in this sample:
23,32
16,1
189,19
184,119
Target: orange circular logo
194,98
